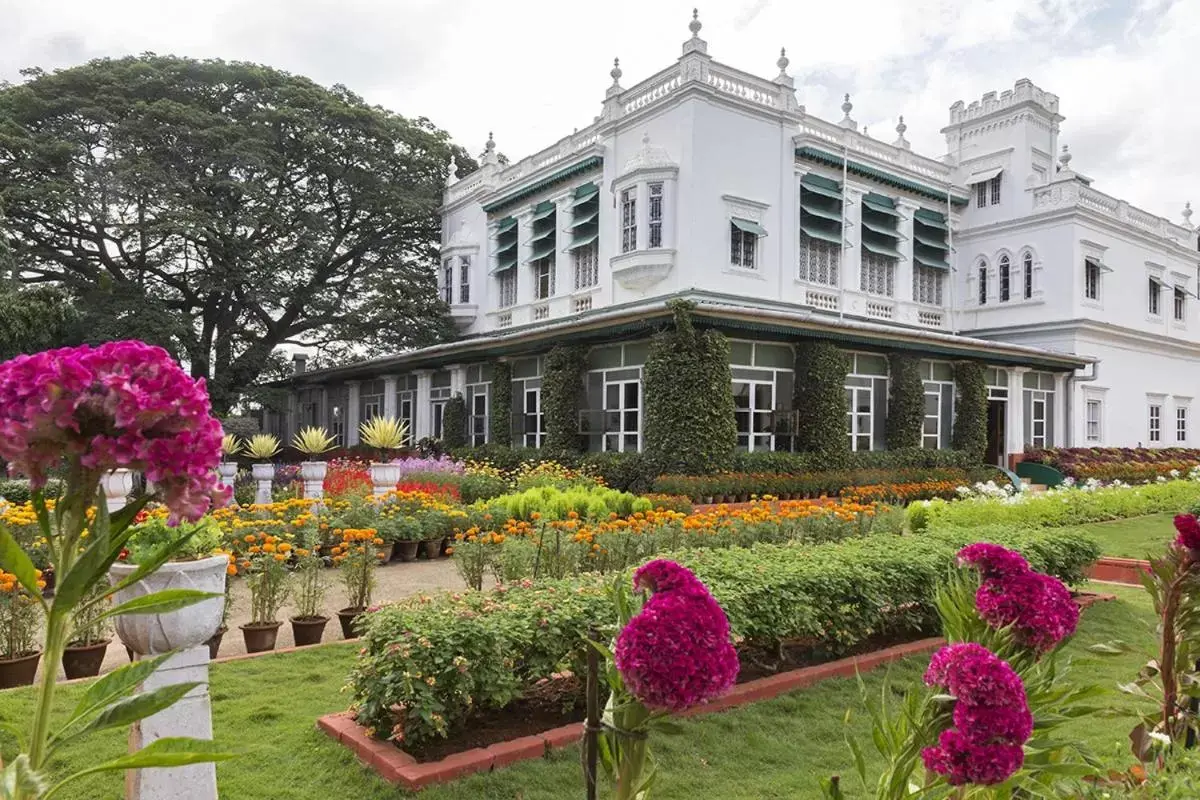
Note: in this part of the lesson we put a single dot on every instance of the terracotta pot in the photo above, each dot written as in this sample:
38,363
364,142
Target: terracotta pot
214,643
407,550
386,551
431,548
308,630
347,616
153,634
19,671
84,661
260,637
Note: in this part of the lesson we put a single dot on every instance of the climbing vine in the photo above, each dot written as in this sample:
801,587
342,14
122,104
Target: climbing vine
454,423
561,386
820,401
970,410
500,416
906,402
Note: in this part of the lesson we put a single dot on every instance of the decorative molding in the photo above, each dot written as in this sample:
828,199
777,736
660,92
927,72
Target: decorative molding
641,269
744,202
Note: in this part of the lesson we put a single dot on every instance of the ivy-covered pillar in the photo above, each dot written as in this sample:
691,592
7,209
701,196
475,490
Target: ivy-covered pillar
500,410
906,402
820,401
454,423
971,409
561,383
688,390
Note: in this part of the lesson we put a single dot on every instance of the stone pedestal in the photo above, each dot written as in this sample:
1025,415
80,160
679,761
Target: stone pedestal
228,472
312,473
117,486
192,717
384,477
264,475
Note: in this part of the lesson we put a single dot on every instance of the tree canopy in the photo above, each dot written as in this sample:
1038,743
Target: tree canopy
223,210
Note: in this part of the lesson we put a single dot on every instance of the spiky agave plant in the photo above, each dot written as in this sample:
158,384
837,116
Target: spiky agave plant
231,446
384,433
313,441
262,446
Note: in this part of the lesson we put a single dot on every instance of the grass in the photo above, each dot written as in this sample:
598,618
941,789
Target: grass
1133,538
265,709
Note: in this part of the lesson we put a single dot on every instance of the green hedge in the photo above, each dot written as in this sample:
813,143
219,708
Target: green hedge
16,490
820,401
500,413
688,389
454,423
561,385
909,458
439,658
970,409
906,402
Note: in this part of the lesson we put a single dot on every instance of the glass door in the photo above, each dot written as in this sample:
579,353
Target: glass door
622,416
753,405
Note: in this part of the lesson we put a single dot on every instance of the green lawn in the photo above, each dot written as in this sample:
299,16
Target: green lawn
265,708
1133,538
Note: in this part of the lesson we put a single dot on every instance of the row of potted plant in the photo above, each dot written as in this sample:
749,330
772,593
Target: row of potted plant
729,487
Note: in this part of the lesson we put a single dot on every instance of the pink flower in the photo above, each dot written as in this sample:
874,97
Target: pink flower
963,761
1038,607
1188,529
119,405
992,560
661,575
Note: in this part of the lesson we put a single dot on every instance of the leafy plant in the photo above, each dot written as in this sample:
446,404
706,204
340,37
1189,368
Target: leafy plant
906,402
313,441
820,400
269,583
262,447
500,412
89,623
310,589
231,445
970,409
454,422
20,614
195,540
561,375
357,558
386,434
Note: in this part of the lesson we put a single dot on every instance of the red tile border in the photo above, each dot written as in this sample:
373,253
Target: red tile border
396,766
1119,570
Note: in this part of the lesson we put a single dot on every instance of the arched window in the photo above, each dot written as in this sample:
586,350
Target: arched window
1027,274
983,282
1005,279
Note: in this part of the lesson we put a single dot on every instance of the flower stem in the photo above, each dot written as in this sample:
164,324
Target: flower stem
56,634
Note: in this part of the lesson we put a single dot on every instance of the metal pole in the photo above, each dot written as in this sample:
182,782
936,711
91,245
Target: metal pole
591,744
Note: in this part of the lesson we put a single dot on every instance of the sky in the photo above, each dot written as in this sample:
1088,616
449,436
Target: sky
532,71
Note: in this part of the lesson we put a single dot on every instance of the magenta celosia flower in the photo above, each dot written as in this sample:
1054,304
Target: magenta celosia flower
1038,607
119,405
662,576
963,761
1188,529
675,653
990,724
992,560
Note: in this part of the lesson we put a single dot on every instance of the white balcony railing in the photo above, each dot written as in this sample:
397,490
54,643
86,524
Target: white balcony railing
1075,194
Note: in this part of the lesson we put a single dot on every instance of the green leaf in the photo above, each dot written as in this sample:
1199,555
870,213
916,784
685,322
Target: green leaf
107,540
15,560
20,780
160,602
169,752
1109,648
110,688
156,559
130,710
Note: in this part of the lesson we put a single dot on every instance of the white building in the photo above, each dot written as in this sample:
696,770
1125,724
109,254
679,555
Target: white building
706,182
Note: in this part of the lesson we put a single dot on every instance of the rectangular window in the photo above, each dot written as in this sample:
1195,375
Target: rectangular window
939,415
406,404
866,397
741,247
1005,279
927,285
438,408
587,266
1094,411
534,427
981,194
1038,398
543,279
448,281
1027,274
654,228
508,288
753,405
628,220
1155,422
464,279
819,261
878,274
994,184
983,286
1181,423
1154,301
1091,280
622,416
1180,303
479,414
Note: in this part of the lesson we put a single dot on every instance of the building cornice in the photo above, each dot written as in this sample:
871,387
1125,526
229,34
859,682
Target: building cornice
820,156
535,185
1115,333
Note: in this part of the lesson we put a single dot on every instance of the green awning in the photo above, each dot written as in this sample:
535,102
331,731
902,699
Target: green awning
510,246
805,186
817,211
933,219
584,240
586,190
541,251
879,207
542,236
925,261
585,218
882,230
937,244
748,226
543,211
504,264
506,225
586,197
816,233
880,249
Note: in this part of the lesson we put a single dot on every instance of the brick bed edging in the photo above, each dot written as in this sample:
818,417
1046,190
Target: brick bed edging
1119,570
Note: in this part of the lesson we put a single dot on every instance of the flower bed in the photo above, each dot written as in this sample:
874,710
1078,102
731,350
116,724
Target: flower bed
429,665
895,484
1129,464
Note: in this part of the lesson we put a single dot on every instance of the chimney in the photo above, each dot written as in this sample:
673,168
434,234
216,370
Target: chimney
299,363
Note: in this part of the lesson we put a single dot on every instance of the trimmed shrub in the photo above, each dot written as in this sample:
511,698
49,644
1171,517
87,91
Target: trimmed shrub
561,385
908,484
689,420
242,427
17,492
908,458
629,472
820,401
454,423
906,402
970,409
500,416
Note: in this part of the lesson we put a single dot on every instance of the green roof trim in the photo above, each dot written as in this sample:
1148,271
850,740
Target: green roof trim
866,171
817,233
748,226
587,165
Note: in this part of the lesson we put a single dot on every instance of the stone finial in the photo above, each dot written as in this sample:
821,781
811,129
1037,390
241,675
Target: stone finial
615,72
1187,214
489,151
900,140
695,44
1064,160
846,122
695,25
451,177
783,62
490,145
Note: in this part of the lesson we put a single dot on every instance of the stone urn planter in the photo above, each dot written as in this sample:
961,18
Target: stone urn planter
260,636
116,485
152,634
264,476
312,473
308,630
19,671
228,472
84,660
384,477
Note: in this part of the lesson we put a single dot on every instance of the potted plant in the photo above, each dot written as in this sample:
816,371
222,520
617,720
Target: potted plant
19,614
434,524
262,448
308,626
408,535
387,435
313,442
231,448
267,579
214,641
89,641
356,556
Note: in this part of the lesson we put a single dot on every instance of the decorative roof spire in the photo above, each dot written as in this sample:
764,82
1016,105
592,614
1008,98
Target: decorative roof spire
489,151
1187,214
1064,160
900,140
695,25
846,122
783,62
451,177
695,44
615,72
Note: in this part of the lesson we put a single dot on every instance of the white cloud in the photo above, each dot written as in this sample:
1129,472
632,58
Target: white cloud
533,70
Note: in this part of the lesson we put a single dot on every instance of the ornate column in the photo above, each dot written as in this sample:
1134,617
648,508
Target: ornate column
423,412
352,408
1014,424
1059,412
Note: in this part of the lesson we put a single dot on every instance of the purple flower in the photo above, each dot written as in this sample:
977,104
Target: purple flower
963,761
992,560
119,405
444,464
1038,607
1188,529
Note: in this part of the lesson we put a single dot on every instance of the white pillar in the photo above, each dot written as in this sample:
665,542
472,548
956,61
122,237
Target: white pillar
352,406
1059,411
524,271
564,274
852,255
424,413
904,267
1015,424
389,396
458,379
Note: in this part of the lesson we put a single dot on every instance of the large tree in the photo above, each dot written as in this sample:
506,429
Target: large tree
224,209
35,319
